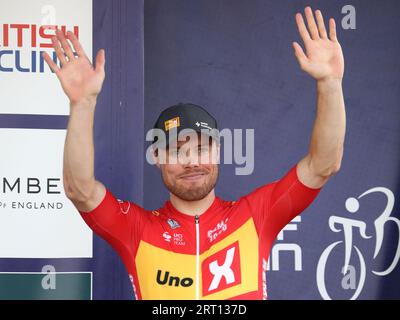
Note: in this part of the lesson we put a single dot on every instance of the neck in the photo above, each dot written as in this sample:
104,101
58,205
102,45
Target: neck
193,208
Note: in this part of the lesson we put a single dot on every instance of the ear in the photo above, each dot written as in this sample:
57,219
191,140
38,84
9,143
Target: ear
156,159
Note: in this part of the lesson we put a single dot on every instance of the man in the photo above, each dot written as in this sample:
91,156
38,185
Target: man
198,245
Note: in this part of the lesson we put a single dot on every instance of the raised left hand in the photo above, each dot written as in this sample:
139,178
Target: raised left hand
323,59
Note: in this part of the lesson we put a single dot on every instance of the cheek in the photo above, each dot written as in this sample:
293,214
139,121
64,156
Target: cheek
171,171
211,168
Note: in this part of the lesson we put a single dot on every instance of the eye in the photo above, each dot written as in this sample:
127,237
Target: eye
203,149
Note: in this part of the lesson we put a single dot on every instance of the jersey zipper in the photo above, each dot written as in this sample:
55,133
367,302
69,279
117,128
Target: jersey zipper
196,220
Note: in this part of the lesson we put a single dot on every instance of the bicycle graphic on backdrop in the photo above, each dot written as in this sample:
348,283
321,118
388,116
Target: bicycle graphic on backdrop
348,226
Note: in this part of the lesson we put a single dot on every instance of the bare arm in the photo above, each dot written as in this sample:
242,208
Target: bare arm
81,83
325,63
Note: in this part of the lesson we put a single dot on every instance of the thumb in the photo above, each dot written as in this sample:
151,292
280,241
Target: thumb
100,60
300,55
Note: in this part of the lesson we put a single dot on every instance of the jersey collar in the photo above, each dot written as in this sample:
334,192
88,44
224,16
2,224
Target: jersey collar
170,210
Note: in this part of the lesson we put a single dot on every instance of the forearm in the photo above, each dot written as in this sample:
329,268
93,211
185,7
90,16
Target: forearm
327,139
79,179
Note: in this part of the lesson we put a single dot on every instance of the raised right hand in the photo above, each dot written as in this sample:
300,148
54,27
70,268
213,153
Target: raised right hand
80,81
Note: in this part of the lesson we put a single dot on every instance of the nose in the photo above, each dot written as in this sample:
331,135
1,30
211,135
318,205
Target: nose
191,158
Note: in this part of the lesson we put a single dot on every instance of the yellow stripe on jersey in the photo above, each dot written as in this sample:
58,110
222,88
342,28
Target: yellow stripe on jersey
163,274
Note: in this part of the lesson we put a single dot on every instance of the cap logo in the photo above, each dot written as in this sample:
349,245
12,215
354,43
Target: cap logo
172,123
203,125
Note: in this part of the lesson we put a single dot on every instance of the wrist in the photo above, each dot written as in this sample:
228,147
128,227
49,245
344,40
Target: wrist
85,103
329,84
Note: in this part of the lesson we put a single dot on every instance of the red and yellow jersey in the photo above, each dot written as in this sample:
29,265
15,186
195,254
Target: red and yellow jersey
221,254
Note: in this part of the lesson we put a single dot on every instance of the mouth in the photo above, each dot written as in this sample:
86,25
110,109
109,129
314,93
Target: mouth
193,176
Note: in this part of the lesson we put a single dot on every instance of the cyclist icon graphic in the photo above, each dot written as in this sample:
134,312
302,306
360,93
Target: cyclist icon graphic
348,226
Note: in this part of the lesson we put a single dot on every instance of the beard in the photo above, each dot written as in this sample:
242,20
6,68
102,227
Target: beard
195,191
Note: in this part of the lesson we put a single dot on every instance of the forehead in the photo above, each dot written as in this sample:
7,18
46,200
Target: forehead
194,140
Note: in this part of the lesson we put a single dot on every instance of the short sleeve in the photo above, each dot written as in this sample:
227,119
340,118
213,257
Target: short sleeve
274,205
118,222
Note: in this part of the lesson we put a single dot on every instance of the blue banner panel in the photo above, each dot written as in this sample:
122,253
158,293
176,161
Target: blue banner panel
236,59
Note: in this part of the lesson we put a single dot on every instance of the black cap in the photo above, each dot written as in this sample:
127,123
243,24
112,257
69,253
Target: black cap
186,116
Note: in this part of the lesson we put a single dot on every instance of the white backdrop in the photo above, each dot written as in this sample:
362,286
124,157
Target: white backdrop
29,92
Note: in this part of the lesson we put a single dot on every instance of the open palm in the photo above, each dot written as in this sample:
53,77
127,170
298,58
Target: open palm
324,57
79,80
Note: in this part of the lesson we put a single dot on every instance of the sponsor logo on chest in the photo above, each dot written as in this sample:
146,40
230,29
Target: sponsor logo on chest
165,278
221,270
176,238
221,226
173,224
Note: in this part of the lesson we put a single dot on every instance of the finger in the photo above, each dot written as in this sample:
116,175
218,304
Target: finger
332,29
300,55
302,28
65,45
321,24
312,26
75,42
100,61
59,52
53,66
